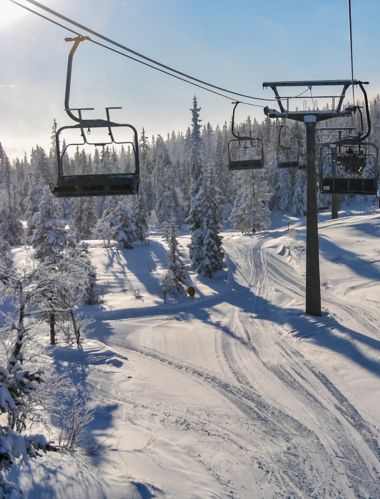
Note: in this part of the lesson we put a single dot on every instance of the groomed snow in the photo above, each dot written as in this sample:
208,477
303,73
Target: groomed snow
237,393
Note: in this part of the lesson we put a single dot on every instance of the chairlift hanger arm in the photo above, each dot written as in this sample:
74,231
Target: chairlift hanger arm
77,40
236,134
366,105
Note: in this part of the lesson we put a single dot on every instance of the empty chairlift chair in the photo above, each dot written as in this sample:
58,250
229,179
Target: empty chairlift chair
89,183
289,156
245,151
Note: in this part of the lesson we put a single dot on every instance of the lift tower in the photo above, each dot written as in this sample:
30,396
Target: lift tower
311,117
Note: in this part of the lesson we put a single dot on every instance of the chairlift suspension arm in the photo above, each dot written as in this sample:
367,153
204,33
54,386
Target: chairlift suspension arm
77,40
366,105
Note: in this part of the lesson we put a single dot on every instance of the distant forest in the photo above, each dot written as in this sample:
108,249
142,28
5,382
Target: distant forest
245,198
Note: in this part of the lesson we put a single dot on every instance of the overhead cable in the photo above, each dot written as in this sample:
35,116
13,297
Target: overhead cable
138,54
130,57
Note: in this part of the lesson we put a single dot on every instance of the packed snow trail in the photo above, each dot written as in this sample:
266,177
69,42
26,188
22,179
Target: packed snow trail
238,393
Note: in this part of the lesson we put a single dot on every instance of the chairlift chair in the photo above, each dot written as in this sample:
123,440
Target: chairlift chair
349,158
347,163
289,156
93,184
245,152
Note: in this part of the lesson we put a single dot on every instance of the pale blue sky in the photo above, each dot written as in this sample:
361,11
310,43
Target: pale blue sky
237,44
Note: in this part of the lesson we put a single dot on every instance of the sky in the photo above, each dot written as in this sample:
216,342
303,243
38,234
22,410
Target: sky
237,44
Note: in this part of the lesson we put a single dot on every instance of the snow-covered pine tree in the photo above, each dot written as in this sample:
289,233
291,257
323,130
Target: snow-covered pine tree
262,219
242,211
117,224
174,279
140,216
146,172
166,191
196,216
5,253
196,158
212,254
18,382
10,224
299,193
223,180
21,184
48,234
41,168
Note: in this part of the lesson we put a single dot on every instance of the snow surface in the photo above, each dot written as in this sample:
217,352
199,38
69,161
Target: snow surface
237,393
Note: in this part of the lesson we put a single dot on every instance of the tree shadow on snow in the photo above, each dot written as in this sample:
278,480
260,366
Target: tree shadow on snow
348,258
325,331
74,364
150,257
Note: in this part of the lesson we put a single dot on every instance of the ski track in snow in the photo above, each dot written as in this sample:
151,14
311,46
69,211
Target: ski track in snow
298,431
357,469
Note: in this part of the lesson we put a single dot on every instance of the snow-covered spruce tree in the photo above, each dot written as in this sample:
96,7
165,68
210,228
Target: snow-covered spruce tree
223,179
206,244
117,224
298,202
262,219
196,216
84,217
69,281
166,192
146,172
48,235
212,254
10,224
18,382
140,216
5,253
174,279
242,211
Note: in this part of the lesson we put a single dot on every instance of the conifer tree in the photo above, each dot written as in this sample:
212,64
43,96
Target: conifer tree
174,279
84,217
10,224
242,211
140,217
196,217
211,252
166,195
48,235
117,223
261,201
18,382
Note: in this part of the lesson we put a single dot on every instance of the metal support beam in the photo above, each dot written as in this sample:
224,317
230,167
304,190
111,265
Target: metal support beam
313,287
311,118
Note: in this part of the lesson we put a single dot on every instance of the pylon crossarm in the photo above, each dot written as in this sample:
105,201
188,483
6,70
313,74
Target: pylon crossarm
321,114
337,100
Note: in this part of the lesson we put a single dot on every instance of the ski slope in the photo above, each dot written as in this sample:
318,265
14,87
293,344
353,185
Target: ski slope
237,393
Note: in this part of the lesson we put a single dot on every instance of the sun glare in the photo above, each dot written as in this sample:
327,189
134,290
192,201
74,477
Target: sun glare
9,12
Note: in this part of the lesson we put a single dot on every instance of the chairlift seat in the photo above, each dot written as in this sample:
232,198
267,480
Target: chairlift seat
291,164
245,154
247,164
114,184
352,162
339,185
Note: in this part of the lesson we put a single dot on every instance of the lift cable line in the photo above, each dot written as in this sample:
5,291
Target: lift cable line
138,54
351,51
131,57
